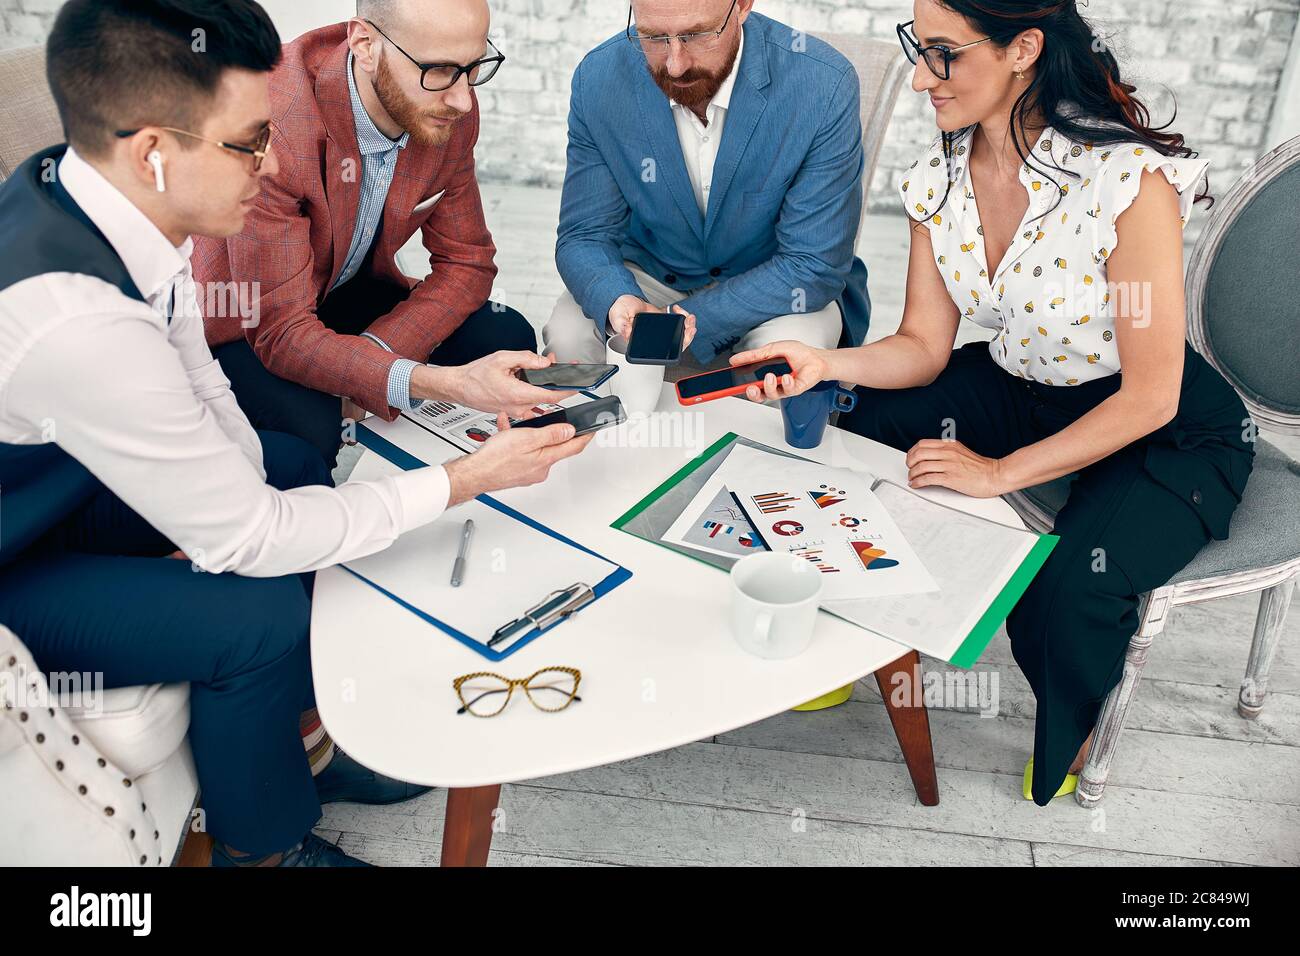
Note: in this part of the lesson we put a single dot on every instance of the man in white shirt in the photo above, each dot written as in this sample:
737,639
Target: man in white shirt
120,441
714,167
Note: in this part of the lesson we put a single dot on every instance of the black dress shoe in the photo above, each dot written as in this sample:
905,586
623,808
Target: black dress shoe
346,781
312,851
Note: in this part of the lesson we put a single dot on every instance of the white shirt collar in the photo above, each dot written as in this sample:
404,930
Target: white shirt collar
722,98
150,258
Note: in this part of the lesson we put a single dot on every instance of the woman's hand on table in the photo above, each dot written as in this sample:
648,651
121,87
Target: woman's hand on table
946,463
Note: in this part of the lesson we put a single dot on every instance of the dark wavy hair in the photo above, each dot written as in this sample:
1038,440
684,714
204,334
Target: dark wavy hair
1076,87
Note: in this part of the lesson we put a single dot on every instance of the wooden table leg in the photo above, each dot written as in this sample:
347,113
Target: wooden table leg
467,828
911,722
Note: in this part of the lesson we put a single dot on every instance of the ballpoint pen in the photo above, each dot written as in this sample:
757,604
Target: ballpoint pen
458,569
554,607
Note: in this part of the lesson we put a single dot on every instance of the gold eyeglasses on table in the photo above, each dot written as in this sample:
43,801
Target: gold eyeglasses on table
484,694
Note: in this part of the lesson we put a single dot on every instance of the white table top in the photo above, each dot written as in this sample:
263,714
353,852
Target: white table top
659,665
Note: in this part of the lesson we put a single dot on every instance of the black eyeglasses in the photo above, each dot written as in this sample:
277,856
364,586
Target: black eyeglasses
938,57
659,45
436,77
257,149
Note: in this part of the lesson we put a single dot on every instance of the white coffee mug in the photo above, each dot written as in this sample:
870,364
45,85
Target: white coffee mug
774,600
638,386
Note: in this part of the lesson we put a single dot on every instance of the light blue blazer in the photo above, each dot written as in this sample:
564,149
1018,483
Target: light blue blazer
785,201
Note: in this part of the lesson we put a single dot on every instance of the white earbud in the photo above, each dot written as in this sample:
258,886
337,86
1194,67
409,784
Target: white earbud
155,160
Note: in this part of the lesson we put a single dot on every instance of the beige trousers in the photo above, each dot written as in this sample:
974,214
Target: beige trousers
573,337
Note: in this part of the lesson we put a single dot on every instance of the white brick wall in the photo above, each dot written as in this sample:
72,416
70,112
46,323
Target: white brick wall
1222,58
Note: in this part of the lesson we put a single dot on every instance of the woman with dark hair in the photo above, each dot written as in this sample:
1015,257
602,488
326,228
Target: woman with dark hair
1050,212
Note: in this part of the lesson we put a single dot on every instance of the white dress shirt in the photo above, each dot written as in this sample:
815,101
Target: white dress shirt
700,142
142,404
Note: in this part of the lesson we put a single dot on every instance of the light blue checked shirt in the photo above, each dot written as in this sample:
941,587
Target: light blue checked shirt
378,161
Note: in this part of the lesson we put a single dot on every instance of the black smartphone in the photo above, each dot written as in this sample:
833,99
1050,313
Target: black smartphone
560,377
728,381
585,418
656,338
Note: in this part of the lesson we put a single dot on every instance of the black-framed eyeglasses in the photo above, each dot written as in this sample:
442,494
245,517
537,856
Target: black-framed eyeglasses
436,77
660,45
938,57
257,149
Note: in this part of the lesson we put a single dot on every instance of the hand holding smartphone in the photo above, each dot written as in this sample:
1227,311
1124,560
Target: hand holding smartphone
728,381
559,377
585,418
657,338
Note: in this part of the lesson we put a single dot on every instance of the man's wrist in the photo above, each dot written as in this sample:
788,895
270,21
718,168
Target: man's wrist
434,383
461,481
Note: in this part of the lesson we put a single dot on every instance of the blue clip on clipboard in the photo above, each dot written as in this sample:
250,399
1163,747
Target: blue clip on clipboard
409,462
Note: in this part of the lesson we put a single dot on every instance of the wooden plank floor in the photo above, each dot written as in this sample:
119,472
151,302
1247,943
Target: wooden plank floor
1193,783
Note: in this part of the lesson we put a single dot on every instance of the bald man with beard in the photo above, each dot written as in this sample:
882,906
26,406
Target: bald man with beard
375,123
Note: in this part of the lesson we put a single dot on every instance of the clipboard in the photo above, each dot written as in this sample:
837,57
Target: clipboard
408,462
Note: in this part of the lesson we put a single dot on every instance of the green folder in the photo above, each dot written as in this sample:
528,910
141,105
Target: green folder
652,516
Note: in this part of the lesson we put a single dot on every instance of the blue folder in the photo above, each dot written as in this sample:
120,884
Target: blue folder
408,462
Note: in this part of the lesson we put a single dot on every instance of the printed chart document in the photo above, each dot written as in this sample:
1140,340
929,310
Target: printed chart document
968,571
831,518
468,428
828,516
715,523
981,567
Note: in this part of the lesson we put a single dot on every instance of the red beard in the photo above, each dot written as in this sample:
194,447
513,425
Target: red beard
695,88
407,115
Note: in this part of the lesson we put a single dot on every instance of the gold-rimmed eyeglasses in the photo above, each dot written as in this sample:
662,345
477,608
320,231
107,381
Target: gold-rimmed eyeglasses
484,694
659,45
257,149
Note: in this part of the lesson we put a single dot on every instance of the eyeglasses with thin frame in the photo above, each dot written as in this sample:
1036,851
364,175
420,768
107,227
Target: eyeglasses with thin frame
437,77
258,149
484,694
660,45
937,57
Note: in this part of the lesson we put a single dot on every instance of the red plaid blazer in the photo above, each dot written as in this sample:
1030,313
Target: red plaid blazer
296,239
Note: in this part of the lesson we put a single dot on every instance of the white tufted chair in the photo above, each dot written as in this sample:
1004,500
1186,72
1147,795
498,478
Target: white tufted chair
110,784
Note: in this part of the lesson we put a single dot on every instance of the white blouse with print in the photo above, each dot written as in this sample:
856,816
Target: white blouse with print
1048,301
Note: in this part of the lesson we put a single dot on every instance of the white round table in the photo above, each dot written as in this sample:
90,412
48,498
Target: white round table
659,666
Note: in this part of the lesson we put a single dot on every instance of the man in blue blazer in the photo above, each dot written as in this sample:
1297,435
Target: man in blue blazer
714,164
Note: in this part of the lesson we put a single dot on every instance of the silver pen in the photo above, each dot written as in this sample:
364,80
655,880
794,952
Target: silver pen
458,569
553,608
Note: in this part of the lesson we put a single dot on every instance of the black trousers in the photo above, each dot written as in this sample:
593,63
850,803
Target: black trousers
1131,522
277,404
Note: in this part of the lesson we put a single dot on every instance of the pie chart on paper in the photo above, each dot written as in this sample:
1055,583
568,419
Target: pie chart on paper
872,558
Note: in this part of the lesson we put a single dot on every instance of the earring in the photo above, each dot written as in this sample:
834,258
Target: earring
1020,74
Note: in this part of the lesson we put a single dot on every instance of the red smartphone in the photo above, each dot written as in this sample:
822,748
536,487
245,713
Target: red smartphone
728,381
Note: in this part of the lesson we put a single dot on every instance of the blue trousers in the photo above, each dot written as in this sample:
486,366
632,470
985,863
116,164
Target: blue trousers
97,594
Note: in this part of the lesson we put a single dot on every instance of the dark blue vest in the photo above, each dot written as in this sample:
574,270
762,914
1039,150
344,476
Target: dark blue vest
43,230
